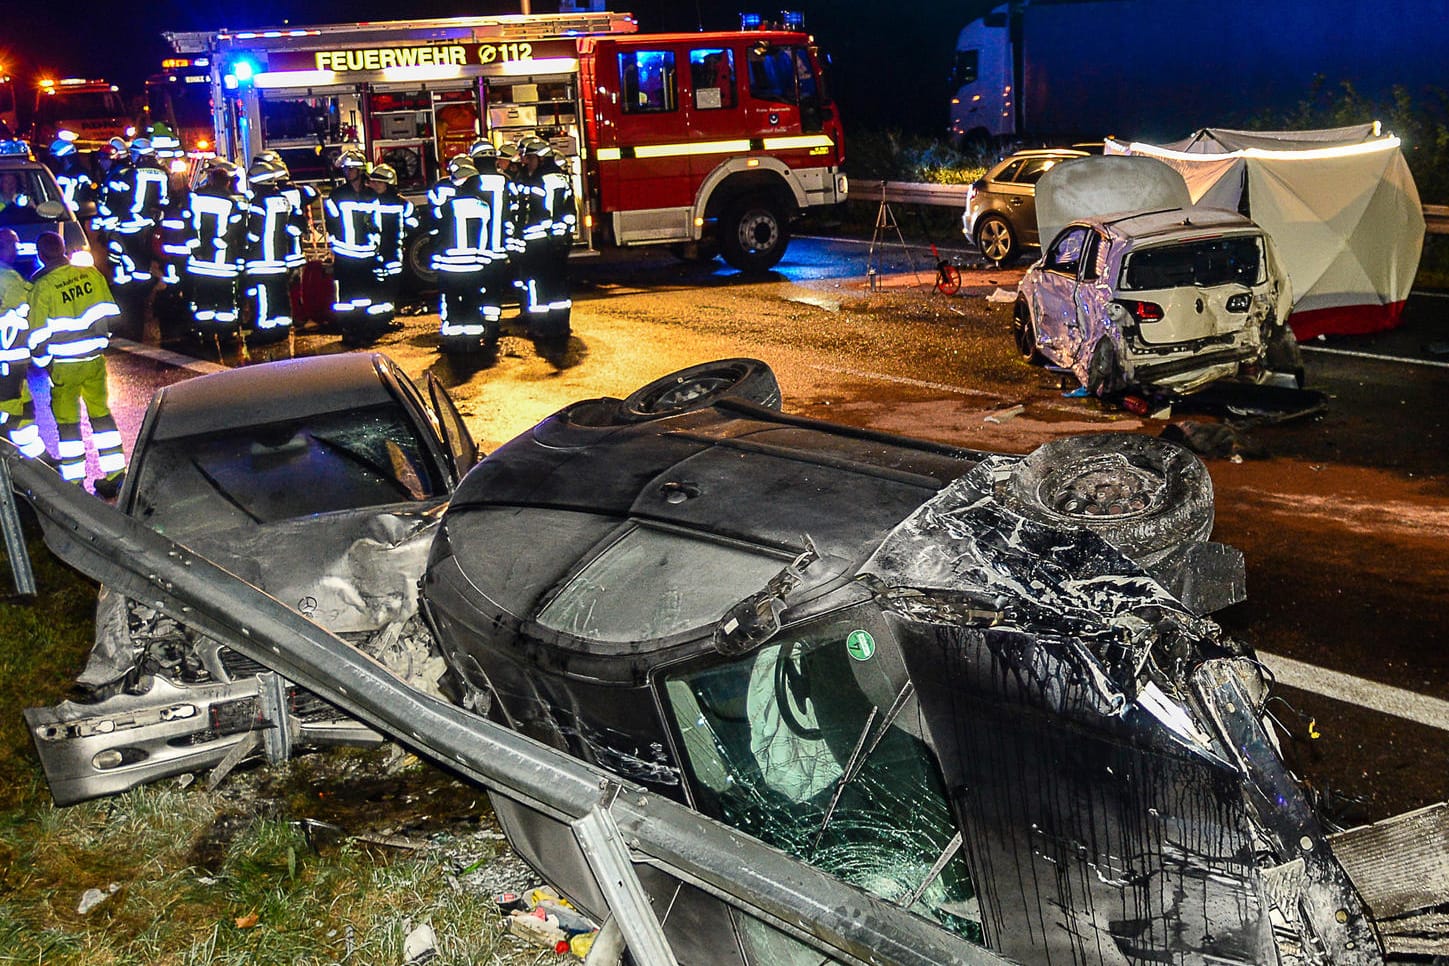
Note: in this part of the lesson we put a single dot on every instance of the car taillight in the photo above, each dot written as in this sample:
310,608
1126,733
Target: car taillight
1142,311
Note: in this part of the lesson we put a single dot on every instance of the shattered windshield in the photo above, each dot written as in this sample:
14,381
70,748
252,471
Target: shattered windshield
284,470
810,745
1213,261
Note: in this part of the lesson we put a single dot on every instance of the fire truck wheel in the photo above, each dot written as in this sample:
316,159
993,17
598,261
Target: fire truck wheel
418,271
753,234
699,386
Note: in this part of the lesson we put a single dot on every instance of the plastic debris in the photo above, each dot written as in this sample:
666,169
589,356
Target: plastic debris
1001,295
420,946
540,932
94,897
1002,415
1081,392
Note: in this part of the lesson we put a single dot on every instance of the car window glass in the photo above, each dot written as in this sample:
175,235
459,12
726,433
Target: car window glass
1034,168
1101,248
652,583
649,81
1216,261
22,190
284,470
780,74
1008,173
786,744
1066,251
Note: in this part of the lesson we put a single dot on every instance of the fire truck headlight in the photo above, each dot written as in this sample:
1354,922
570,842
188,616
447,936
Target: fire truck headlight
179,165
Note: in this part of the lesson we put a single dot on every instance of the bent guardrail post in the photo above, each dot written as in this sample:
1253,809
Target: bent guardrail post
790,896
14,535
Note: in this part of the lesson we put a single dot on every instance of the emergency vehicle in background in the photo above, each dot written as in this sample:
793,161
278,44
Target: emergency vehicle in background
712,142
180,97
9,115
90,110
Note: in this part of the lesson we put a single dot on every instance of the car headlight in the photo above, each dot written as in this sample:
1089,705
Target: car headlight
1240,302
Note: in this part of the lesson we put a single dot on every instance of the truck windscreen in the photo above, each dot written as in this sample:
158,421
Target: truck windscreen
80,105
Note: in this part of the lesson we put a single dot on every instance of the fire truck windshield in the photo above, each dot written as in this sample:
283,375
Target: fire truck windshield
182,105
78,105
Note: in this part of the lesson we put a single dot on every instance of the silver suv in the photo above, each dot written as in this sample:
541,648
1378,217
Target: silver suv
1000,216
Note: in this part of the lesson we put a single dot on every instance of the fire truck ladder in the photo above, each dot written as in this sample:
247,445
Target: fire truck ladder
885,223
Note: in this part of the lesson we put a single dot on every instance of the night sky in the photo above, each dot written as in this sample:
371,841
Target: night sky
890,62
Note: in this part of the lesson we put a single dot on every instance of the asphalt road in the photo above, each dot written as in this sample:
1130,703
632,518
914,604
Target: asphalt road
1343,516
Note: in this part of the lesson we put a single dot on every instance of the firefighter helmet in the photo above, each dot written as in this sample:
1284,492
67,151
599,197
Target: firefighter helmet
508,152
61,148
352,158
164,141
535,147
141,147
116,146
461,166
275,160
263,171
384,173
482,151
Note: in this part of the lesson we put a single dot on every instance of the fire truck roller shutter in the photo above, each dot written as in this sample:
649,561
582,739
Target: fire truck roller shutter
752,210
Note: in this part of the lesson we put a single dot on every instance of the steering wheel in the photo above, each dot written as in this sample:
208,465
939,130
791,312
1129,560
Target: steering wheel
791,692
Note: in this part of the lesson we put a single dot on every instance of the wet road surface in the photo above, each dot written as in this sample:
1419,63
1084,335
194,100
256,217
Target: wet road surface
1343,516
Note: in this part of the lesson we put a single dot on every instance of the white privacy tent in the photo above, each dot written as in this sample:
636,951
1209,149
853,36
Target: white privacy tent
1340,204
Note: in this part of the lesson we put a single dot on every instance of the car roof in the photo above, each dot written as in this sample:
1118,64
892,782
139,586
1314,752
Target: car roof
1048,153
1143,225
271,392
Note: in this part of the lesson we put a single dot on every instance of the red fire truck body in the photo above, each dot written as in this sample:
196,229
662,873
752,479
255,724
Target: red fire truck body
708,140
87,112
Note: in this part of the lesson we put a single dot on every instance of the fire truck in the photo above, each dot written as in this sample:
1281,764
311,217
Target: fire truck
180,97
9,117
90,110
712,142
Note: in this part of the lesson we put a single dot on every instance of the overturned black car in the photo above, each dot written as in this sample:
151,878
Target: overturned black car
979,686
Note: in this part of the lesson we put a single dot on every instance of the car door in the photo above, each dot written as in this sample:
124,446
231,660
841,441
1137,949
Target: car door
1058,328
461,448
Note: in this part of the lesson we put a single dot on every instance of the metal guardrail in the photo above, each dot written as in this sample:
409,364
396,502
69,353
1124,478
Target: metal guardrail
618,825
1436,217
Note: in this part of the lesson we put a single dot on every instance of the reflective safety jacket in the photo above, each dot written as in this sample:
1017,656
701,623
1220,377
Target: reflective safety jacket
15,330
302,197
396,221
499,191
351,226
546,206
76,186
273,232
462,223
215,225
172,234
135,196
70,306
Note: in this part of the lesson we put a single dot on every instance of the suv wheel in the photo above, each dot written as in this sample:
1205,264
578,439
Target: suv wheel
997,240
1024,329
699,386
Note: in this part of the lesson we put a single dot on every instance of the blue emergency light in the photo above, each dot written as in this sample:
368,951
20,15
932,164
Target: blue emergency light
241,71
14,148
750,21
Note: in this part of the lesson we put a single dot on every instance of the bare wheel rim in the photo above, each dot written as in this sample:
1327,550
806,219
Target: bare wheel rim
995,239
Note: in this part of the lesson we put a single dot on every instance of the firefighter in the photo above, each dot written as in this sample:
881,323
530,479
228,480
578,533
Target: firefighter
215,226
496,187
302,197
352,234
75,182
136,192
17,408
396,222
273,244
459,226
546,221
507,164
70,310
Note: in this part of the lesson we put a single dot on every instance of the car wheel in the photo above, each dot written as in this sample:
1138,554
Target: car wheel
1283,353
753,235
702,385
997,240
1104,372
1023,327
1144,495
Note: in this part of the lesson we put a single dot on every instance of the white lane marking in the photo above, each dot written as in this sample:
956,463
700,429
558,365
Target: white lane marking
1384,698
165,356
1431,295
902,380
1376,356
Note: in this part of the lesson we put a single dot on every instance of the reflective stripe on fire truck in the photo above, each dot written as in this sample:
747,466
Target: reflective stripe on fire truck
783,143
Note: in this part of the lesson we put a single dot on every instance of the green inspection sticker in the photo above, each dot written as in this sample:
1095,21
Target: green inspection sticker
860,645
